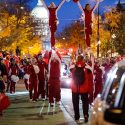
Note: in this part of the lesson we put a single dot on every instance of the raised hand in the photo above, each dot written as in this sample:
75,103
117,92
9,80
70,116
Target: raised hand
67,0
98,1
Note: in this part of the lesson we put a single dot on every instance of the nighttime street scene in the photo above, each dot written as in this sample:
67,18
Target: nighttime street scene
62,62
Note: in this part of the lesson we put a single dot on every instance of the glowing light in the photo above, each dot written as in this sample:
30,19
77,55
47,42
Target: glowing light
99,95
113,91
112,75
99,42
94,112
68,81
113,36
99,109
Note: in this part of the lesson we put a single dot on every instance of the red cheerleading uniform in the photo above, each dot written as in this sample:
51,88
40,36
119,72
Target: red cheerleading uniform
98,80
14,71
33,83
88,28
52,23
26,70
54,81
41,77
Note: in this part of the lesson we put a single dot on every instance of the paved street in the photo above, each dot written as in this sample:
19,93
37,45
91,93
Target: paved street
22,111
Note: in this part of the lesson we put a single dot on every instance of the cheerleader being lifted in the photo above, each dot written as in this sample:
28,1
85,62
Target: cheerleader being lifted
53,20
87,13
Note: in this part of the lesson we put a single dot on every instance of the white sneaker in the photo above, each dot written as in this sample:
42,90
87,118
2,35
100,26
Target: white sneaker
79,121
43,99
30,100
51,104
58,103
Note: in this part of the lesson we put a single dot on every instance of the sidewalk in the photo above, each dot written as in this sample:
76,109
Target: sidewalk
23,112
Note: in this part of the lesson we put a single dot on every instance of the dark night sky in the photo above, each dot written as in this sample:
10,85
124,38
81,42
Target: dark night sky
69,11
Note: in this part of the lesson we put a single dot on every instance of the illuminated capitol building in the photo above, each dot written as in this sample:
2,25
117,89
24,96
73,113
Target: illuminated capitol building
41,16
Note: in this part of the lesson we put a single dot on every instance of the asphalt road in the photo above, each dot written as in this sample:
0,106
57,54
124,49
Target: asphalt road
24,112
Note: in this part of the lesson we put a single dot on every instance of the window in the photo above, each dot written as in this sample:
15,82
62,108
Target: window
114,88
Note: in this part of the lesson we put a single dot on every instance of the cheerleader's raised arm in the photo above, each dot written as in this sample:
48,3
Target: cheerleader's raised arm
80,7
44,4
61,3
96,5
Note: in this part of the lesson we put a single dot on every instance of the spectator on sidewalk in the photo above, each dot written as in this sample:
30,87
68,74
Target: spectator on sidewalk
80,88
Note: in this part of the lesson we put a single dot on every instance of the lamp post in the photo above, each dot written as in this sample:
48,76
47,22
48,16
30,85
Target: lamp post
98,35
113,36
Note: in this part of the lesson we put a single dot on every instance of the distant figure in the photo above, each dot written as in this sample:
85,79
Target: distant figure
18,51
79,50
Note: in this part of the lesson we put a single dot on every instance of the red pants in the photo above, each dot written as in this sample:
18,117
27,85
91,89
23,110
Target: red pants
52,39
88,32
33,87
54,90
98,88
26,84
41,88
12,87
53,28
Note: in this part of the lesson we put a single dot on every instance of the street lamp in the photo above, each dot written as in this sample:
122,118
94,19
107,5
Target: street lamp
113,36
29,48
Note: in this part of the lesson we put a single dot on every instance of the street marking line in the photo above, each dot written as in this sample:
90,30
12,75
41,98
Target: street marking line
42,108
48,108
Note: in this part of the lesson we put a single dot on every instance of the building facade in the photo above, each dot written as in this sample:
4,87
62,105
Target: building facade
41,15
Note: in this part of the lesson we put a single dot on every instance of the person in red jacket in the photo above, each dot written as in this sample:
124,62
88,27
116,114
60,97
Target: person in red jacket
53,20
41,76
87,18
83,91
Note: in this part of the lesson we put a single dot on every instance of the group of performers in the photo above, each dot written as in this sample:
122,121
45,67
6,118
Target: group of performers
42,79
